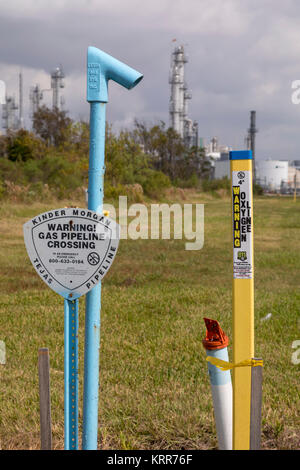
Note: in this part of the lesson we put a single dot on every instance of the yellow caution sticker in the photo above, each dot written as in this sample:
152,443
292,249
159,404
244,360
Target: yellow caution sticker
242,224
224,365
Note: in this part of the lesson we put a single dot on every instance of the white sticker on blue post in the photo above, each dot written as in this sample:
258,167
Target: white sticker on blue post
71,249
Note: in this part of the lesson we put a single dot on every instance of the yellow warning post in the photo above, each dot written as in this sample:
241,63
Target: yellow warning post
243,293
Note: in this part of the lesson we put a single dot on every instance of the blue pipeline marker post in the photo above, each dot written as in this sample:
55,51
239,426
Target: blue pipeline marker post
215,344
71,373
100,69
93,298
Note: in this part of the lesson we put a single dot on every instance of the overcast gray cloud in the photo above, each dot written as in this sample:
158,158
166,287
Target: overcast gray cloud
243,55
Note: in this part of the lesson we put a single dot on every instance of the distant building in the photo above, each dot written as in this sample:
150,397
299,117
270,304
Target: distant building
278,176
10,119
214,156
294,176
218,156
272,175
222,166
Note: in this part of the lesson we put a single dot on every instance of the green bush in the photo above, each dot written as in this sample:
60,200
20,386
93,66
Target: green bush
215,184
113,192
60,173
192,182
23,145
33,171
153,182
12,171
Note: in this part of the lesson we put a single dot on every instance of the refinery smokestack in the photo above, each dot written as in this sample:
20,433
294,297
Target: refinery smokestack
177,100
178,111
35,97
252,134
21,117
57,82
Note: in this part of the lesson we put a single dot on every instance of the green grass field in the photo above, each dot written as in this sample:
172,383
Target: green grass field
154,388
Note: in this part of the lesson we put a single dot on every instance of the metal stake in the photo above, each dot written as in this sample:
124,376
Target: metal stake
71,374
256,407
45,404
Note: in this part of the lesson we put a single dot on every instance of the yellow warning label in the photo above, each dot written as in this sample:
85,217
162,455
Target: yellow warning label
242,225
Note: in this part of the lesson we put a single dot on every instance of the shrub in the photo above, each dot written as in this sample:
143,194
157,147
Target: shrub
153,182
214,185
22,146
2,189
257,190
113,192
192,182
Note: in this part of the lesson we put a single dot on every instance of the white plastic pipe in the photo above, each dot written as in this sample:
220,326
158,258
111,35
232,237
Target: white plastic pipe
221,389
215,344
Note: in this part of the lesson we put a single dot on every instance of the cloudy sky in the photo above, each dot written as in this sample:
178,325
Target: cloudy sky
243,55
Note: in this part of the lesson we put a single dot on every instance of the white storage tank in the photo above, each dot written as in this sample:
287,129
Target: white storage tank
272,174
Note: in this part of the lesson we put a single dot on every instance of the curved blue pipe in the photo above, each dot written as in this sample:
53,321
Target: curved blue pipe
100,69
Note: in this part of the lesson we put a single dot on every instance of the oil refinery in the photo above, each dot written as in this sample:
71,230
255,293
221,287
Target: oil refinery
12,109
279,176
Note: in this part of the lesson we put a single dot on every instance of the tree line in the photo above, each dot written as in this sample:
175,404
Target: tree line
55,153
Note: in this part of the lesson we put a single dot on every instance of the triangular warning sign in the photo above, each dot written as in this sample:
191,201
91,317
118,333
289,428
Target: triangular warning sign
71,249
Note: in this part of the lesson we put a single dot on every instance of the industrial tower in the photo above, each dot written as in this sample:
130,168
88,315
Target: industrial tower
179,121
37,93
10,119
14,121
9,115
252,131
57,83
35,97
21,117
